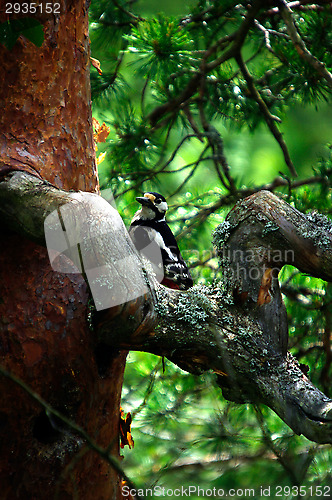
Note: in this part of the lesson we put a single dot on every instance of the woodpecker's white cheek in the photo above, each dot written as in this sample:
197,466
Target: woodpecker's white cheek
162,207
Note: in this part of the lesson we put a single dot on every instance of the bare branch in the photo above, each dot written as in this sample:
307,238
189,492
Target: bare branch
301,5
241,193
267,33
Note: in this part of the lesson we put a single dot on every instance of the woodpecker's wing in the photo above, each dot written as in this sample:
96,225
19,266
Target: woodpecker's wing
141,235
178,272
144,239
174,266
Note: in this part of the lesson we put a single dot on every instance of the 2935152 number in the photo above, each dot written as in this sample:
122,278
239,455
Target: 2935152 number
32,8
301,491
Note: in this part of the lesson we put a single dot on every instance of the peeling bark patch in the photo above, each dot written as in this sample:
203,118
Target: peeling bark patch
33,353
264,295
46,92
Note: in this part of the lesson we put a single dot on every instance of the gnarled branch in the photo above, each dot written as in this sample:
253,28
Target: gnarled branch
237,329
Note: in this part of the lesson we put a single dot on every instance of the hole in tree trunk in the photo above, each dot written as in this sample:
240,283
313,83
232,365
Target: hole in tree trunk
104,354
47,429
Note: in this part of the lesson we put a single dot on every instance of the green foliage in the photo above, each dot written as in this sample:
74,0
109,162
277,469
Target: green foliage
162,47
133,150
185,122
27,26
105,87
307,86
187,435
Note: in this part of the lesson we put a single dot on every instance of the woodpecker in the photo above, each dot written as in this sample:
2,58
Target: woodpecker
149,226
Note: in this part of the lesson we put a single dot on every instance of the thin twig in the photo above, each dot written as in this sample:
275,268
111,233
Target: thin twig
188,165
190,118
146,83
228,199
127,12
153,172
197,162
217,145
267,33
269,118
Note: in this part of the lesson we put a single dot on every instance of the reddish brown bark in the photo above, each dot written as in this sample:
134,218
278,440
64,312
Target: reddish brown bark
45,129
45,101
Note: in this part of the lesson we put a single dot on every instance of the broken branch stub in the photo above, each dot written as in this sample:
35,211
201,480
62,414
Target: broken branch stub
259,236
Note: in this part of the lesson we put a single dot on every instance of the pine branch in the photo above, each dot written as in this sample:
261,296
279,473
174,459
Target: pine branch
301,5
288,468
135,19
226,200
300,46
238,38
198,329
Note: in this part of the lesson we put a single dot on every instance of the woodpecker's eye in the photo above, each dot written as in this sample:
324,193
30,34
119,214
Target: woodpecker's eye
157,201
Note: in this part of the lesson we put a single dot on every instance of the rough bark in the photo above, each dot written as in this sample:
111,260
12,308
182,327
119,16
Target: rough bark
237,329
45,339
45,101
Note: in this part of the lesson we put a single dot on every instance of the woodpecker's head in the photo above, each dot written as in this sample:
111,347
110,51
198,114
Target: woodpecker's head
154,206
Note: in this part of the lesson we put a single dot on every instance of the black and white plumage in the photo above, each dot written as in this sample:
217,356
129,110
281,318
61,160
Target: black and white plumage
148,227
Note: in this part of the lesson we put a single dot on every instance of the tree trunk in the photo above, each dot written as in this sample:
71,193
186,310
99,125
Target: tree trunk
45,340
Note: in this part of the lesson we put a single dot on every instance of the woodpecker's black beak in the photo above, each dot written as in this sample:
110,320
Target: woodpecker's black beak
144,201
